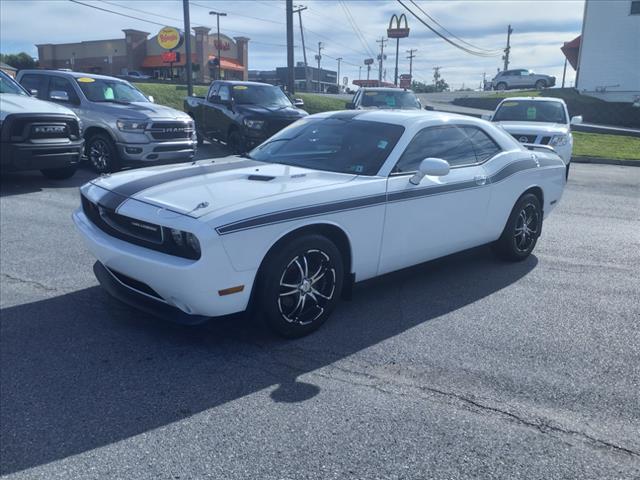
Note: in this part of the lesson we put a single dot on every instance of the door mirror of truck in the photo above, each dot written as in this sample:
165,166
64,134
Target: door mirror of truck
577,120
298,102
151,99
33,92
59,96
487,116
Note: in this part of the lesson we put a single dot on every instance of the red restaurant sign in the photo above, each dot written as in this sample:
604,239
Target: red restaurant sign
171,57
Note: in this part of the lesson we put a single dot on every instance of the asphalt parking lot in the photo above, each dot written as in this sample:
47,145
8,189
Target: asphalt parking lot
466,367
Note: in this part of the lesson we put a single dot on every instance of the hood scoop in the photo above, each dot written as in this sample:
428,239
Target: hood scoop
260,178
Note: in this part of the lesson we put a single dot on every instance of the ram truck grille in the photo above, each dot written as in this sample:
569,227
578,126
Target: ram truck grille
171,130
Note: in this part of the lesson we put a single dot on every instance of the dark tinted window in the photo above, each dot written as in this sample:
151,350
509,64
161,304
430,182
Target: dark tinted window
483,144
342,145
63,85
35,82
449,143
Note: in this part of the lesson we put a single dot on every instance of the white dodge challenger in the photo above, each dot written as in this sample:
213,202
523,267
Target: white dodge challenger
332,199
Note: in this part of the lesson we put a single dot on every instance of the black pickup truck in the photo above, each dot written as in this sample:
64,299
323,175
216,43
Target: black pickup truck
241,114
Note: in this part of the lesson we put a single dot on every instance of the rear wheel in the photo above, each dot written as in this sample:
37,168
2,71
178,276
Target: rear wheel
522,230
102,153
60,173
541,85
300,285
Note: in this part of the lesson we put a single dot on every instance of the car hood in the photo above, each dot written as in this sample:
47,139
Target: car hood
12,103
140,110
273,112
534,127
203,187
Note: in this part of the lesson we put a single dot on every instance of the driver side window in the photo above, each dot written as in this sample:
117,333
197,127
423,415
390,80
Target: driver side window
224,93
449,143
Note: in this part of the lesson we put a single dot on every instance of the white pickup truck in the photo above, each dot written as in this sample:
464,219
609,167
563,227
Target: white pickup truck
538,121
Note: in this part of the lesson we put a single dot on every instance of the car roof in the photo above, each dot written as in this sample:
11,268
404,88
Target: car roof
535,99
385,89
239,82
67,73
400,117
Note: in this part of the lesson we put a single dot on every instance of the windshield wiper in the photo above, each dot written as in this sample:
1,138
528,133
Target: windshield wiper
113,100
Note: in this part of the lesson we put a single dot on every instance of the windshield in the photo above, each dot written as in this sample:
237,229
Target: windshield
530,111
99,90
387,99
9,85
264,95
341,145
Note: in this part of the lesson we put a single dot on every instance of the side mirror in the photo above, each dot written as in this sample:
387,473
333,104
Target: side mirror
298,102
350,106
215,99
59,96
151,99
435,167
577,120
487,116
429,107
34,92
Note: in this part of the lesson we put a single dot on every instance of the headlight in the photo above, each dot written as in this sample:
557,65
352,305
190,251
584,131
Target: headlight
135,126
186,243
559,140
257,124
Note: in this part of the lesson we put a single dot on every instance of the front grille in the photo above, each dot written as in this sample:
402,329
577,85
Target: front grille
171,130
522,136
42,127
131,230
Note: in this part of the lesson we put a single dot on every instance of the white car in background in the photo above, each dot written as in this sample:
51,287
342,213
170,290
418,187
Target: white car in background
538,121
332,199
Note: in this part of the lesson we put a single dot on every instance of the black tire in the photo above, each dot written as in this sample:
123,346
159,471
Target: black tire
300,285
236,142
501,86
60,173
541,85
516,244
567,176
102,153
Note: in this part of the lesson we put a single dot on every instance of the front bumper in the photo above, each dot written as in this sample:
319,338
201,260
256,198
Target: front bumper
39,156
157,152
179,285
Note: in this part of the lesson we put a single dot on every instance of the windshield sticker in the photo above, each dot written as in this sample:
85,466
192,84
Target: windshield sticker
382,144
86,80
391,101
240,87
531,113
108,94
510,104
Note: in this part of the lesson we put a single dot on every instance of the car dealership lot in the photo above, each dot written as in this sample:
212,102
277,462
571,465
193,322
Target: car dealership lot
464,367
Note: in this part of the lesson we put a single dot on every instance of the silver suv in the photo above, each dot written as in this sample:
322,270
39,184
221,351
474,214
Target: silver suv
522,79
121,125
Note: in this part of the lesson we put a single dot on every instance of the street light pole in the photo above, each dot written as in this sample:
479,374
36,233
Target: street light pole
187,47
218,15
339,59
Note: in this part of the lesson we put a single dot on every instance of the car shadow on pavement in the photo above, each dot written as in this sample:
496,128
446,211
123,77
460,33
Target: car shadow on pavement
81,371
18,183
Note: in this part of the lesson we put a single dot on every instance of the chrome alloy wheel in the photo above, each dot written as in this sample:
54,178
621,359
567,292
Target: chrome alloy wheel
99,155
527,227
306,286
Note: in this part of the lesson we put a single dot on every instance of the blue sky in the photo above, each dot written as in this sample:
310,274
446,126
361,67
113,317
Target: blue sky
540,28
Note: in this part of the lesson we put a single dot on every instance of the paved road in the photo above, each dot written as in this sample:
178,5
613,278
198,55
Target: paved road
461,368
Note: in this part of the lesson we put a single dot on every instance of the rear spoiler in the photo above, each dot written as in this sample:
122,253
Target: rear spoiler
537,146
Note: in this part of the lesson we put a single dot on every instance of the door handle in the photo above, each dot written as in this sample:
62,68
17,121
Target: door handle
480,179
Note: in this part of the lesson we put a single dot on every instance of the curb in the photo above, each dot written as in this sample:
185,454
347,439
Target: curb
606,161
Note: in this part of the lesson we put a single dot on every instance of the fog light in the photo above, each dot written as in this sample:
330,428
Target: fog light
176,235
133,150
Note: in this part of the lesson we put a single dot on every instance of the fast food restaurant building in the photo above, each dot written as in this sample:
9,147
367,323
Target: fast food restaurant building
139,52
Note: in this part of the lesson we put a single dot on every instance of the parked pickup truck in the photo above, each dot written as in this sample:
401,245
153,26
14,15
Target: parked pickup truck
241,114
37,135
121,125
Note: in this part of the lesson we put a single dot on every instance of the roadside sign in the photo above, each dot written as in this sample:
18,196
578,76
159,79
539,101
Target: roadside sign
405,80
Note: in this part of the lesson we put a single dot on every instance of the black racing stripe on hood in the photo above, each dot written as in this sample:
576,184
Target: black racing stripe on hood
119,194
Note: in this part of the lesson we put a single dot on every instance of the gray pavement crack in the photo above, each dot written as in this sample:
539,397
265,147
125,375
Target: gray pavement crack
33,283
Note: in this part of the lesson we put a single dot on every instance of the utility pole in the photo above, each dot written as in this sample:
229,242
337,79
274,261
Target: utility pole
382,41
359,72
508,49
318,58
339,59
564,71
299,9
187,47
290,65
436,77
218,15
411,53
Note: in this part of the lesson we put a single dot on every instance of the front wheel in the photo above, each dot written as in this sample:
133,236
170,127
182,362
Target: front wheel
541,85
501,86
300,285
60,173
237,143
102,153
522,230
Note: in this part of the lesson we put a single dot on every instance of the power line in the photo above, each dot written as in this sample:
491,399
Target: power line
117,13
355,28
241,14
449,32
451,42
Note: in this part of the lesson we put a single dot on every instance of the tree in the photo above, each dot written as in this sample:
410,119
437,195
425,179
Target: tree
19,60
